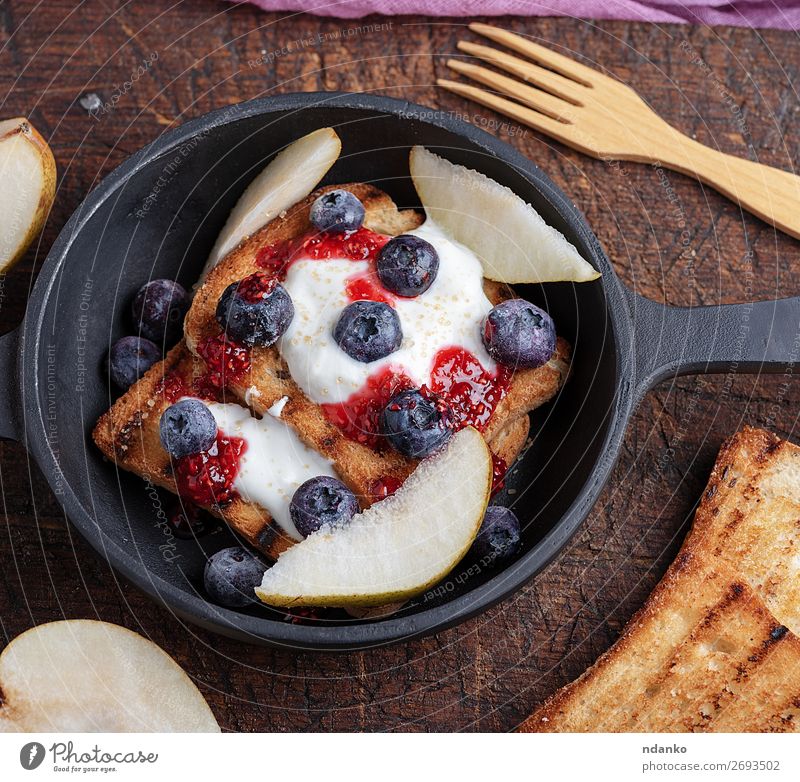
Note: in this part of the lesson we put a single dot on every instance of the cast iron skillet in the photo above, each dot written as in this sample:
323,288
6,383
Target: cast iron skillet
182,186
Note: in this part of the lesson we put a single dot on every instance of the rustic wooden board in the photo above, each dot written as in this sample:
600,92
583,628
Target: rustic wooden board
668,237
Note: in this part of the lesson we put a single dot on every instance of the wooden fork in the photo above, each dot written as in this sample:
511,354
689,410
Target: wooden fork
603,117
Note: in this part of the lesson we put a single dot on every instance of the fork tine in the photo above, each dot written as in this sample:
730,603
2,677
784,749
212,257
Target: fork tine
551,82
529,117
530,96
541,54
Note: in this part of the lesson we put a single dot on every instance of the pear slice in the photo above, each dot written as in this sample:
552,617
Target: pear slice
291,175
510,237
82,676
27,187
397,548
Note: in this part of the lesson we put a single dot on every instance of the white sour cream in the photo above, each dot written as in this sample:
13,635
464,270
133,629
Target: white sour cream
274,463
448,314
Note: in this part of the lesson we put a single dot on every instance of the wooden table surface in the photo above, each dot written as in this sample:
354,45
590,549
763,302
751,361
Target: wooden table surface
668,237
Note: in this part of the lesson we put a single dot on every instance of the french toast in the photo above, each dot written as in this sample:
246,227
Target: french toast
128,434
716,646
360,466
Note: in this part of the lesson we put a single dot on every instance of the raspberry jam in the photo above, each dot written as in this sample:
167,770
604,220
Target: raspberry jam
226,362
171,386
364,245
368,286
206,478
499,470
256,286
358,417
457,377
274,258
360,245
384,487
473,393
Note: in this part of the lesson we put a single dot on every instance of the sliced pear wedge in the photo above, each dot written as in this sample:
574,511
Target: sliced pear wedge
27,187
510,237
400,546
84,676
291,175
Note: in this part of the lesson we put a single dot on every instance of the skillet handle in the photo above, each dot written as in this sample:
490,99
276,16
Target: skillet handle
748,338
9,386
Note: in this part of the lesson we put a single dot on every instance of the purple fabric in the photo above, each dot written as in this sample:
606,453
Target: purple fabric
781,14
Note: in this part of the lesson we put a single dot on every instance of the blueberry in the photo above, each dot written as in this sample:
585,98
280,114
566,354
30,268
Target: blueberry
321,502
158,310
337,211
255,311
407,265
231,576
519,334
187,427
416,423
499,535
368,330
129,358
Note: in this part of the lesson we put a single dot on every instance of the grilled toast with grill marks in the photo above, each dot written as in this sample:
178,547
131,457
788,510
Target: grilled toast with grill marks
704,654
716,646
749,518
269,380
128,434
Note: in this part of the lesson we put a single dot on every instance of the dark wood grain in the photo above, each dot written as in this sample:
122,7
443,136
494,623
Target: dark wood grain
668,237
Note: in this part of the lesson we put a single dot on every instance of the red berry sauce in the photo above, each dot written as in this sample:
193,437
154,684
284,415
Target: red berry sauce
499,470
457,377
206,478
360,245
473,393
275,258
368,286
364,245
256,286
384,487
226,362
358,417
172,387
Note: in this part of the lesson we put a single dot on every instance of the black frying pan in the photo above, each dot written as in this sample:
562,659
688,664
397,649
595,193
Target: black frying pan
183,186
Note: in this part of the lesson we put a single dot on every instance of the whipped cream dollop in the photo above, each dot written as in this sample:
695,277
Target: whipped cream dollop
275,462
448,314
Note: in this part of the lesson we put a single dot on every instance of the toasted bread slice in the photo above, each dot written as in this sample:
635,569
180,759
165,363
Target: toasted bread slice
749,518
715,646
269,380
128,434
704,654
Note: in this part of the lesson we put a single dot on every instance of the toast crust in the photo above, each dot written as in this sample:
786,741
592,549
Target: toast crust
715,647
269,380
